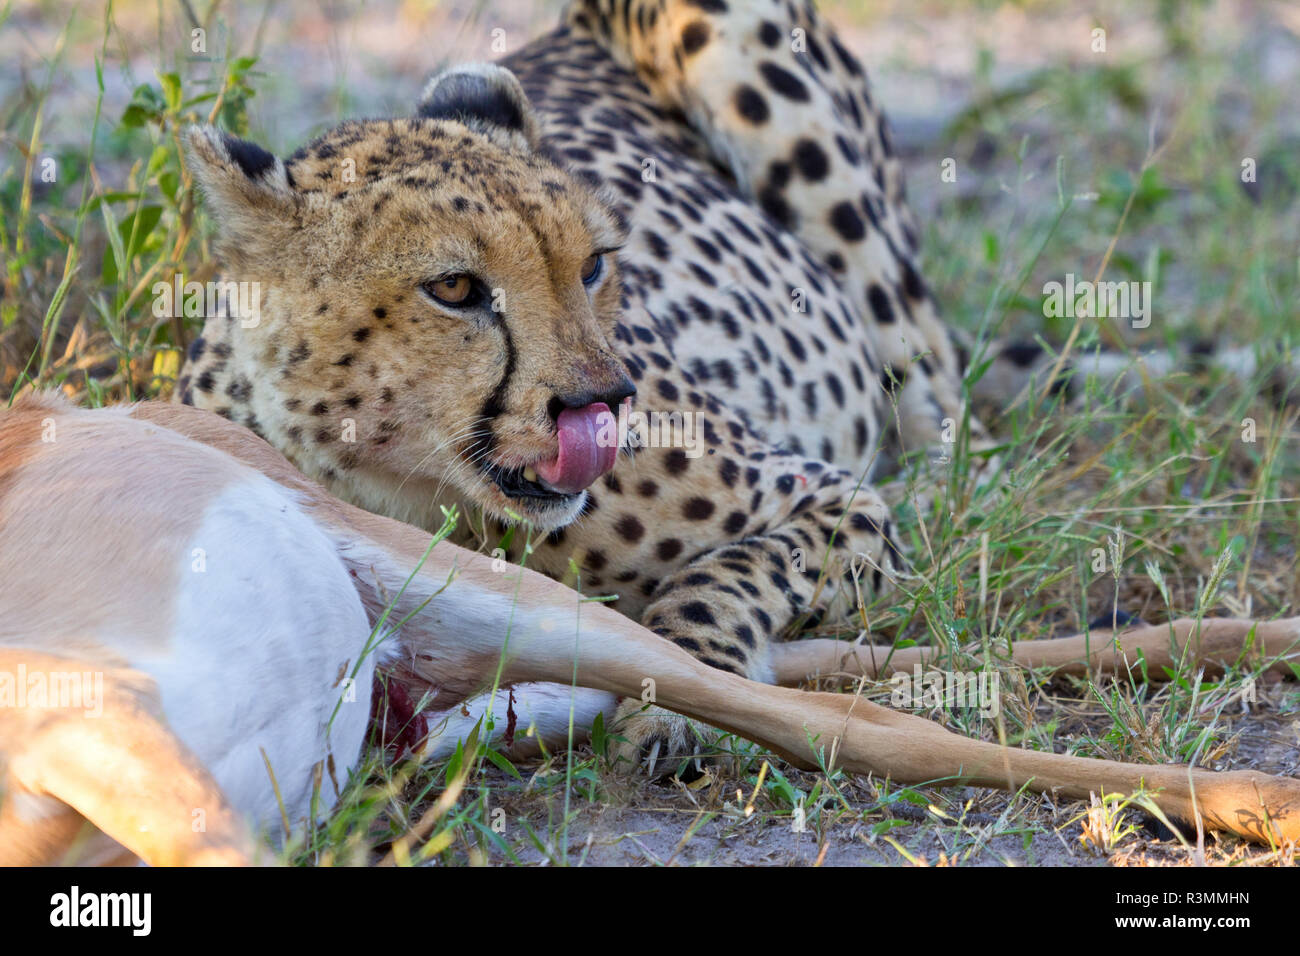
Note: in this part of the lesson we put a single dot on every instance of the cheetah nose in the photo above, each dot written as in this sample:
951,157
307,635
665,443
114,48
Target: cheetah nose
624,391
588,447
611,396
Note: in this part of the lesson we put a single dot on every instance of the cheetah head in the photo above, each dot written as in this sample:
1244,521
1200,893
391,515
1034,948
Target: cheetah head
437,298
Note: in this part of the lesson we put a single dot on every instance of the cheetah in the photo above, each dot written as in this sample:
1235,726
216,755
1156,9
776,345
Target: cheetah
684,206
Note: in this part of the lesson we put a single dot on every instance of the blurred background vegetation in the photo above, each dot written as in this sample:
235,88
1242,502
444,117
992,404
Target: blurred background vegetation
95,203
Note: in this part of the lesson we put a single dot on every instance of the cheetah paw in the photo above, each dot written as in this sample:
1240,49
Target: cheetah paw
661,743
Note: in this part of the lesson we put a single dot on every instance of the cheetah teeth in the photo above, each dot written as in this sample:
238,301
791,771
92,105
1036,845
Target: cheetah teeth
530,474
652,759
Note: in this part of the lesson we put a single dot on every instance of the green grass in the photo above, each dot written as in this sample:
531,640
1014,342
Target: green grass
1189,519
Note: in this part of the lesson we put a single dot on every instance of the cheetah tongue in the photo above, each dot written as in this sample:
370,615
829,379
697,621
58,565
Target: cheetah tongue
588,446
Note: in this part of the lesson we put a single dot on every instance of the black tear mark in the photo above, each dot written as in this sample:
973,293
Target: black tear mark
494,405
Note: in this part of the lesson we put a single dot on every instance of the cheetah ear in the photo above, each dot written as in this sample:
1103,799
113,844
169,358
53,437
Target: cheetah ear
488,99
248,190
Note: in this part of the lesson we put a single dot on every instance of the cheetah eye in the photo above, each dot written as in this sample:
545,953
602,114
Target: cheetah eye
592,267
458,291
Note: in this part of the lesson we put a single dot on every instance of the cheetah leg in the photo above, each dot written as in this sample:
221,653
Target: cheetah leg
56,761
788,110
729,605
1214,643
1018,370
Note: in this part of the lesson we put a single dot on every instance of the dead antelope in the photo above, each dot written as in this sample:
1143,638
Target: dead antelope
208,608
